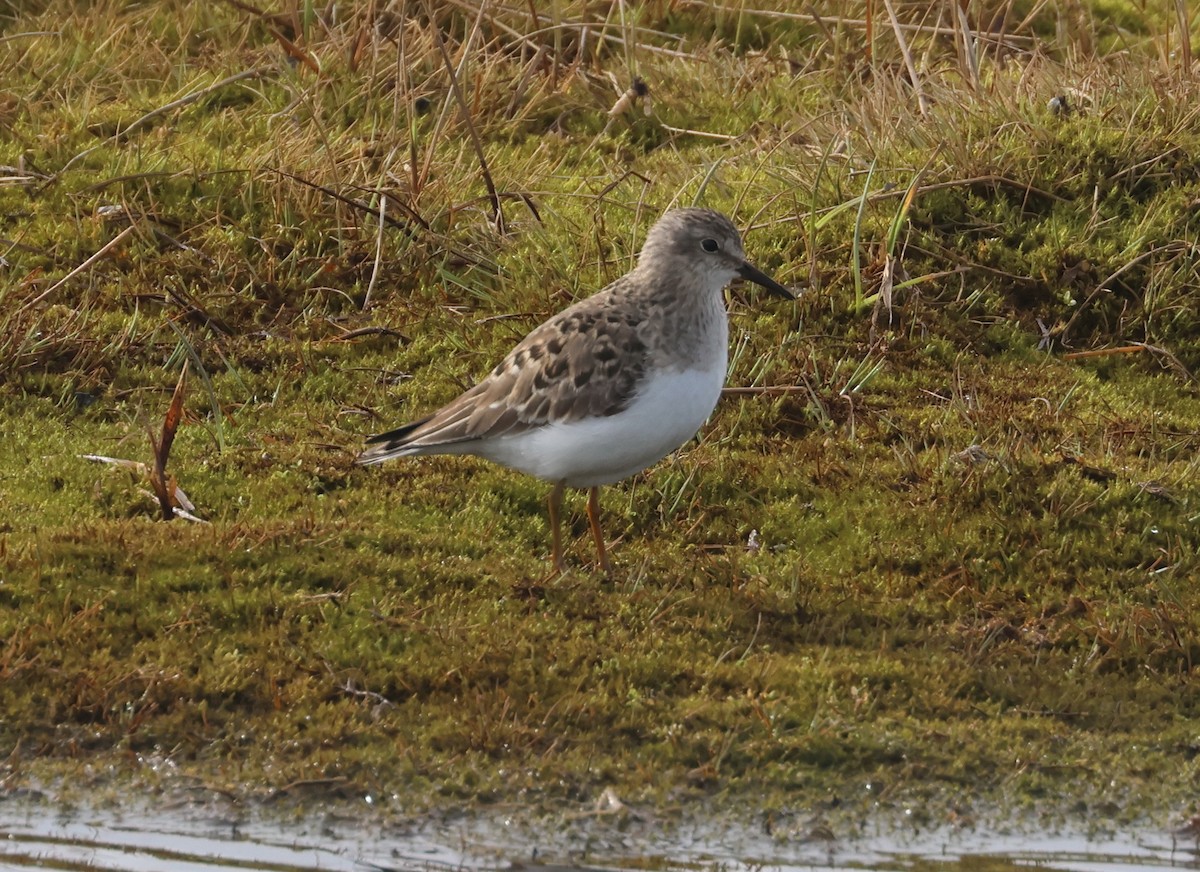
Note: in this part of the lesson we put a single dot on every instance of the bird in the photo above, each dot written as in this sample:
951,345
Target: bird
611,384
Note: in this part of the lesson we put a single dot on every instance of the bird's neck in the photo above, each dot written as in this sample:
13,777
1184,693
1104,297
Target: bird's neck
691,317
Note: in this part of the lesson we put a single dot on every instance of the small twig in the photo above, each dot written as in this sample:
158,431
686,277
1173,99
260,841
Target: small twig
611,186
683,131
253,10
366,303
922,102
195,312
162,110
976,180
369,331
109,246
764,390
412,213
522,86
1104,352
186,100
162,447
1175,245
155,174
861,23
1185,36
460,98
1133,347
379,699
294,51
750,646
1171,358
21,175
306,783
968,41
403,227
508,316
890,193
29,33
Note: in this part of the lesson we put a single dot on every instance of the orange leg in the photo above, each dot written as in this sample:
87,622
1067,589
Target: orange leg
593,513
556,495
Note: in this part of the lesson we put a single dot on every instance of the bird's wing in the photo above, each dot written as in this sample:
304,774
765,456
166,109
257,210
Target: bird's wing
584,362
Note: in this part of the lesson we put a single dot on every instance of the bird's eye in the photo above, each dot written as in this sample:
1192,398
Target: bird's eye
709,245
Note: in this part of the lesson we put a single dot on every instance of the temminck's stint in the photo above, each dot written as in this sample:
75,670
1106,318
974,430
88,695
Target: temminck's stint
610,385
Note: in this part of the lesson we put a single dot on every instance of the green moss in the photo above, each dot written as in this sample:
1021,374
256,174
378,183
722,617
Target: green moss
971,555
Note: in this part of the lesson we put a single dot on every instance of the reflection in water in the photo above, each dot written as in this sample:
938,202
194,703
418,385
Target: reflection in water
217,834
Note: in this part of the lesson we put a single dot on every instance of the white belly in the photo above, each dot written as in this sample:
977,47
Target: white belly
667,412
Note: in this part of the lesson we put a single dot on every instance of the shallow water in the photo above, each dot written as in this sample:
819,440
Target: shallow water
215,834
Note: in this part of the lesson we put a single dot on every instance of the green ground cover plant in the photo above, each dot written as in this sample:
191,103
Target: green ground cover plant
940,536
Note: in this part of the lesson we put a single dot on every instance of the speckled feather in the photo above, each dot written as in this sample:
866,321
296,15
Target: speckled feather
586,361
610,385
593,360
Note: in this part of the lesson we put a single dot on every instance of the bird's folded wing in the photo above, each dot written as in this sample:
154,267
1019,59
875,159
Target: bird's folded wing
587,361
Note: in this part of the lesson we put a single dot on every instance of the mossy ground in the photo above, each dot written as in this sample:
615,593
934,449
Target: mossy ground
975,560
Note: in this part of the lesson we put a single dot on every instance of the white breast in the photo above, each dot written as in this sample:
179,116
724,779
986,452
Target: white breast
667,411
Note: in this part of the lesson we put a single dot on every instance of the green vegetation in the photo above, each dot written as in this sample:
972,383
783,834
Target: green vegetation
920,545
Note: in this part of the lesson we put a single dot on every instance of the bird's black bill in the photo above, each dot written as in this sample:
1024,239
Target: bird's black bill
754,274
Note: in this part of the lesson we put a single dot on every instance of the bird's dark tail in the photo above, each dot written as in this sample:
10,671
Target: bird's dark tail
393,443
